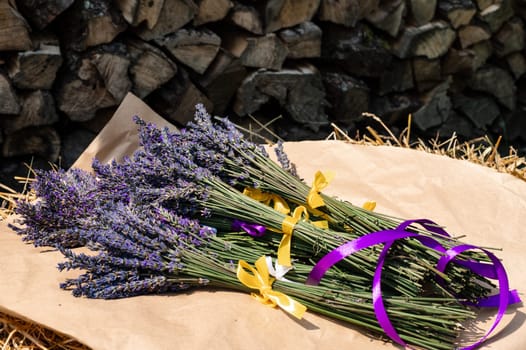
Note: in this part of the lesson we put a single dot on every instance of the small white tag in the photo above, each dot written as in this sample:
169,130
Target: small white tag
278,271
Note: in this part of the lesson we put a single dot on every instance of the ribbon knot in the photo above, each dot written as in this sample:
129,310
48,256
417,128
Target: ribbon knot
259,278
321,180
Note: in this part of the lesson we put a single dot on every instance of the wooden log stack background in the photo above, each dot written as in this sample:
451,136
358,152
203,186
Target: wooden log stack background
65,65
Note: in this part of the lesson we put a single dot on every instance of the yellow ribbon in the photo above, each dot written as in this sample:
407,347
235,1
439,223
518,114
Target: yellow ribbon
321,180
287,226
259,278
369,205
267,198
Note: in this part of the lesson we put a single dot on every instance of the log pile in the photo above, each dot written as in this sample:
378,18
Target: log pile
456,65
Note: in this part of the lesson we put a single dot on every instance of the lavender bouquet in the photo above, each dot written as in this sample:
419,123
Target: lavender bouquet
149,221
140,247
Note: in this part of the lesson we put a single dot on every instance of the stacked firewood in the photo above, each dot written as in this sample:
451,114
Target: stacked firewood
65,65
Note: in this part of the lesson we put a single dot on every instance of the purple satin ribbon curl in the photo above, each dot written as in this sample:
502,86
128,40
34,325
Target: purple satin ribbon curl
254,230
495,270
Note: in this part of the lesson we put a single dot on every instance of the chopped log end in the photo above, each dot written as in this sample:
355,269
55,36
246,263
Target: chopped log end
302,41
173,16
212,11
265,52
149,67
422,11
298,90
247,17
35,69
9,103
194,48
348,97
288,13
38,109
14,30
176,99
40,141
346,12
431,40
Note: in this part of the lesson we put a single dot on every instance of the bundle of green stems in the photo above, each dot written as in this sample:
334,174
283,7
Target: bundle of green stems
410,266
425,322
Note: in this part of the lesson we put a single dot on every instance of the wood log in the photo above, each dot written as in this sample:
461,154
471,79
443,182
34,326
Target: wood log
247,17
484,4
136,12
517,64
212,11
42,12
265,52
36,69
14,30
496,82
431,40
176,99
112,63
483,50
38,109
303,40
288,13
235,42
40,141
422,11
194,48
358,50
457,12
80,90
458,62
459,125
346,12
149,67
348,97
90,23
397,77
497,14
510,38
482,110
173,16
9,103
394,108
435,109
221,80
427,73
389,16
472,34
298,90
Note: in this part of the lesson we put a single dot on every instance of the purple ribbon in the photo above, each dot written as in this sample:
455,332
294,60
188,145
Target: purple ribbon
495,270
254,230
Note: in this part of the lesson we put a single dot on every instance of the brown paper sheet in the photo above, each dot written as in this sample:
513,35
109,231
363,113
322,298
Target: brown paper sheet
468,199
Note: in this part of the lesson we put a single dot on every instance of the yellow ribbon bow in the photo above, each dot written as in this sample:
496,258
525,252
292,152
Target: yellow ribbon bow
259,278
267,198
321,180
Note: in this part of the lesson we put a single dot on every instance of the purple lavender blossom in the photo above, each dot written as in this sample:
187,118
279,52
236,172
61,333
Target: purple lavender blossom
136,250
65,198
284,160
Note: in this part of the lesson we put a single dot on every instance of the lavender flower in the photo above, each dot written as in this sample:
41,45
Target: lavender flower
139,250
65,198
284,160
